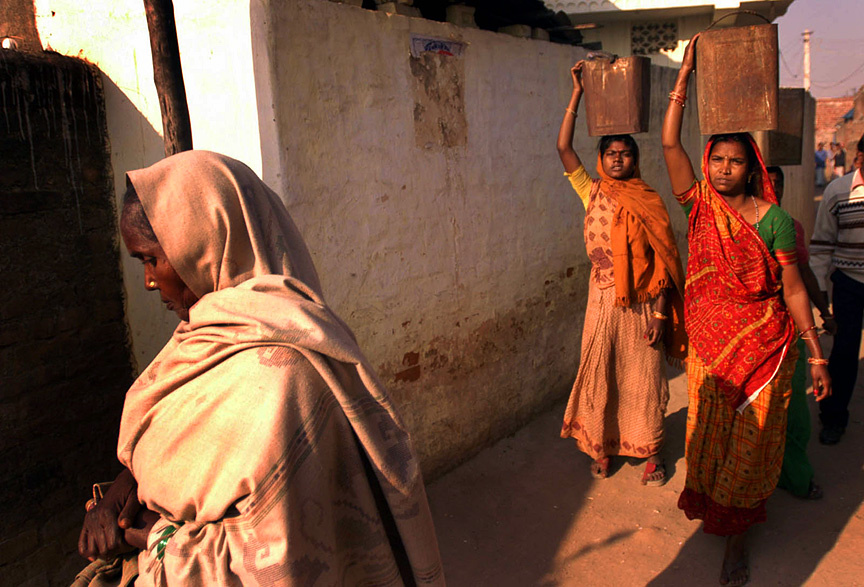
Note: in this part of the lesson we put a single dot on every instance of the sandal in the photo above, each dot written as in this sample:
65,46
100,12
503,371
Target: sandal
654,474
814,491
600,468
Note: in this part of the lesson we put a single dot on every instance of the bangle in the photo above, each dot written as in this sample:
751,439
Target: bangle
814,361
659,315
806,330
573,112
679,99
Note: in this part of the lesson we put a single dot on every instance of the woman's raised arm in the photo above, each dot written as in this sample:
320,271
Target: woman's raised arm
677,162
569,158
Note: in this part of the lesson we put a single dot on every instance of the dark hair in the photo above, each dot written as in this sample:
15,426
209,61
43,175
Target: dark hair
134,217
754,179
606,142
778,170
860,145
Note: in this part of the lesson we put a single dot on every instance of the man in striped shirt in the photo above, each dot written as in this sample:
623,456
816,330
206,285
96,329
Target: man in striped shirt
837,250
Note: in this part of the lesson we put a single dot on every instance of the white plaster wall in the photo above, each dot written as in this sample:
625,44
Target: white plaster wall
462,270
217,55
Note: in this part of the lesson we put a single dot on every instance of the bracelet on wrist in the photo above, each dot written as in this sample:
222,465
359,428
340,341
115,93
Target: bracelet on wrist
659,315
806,330
679,99
571,111
817,361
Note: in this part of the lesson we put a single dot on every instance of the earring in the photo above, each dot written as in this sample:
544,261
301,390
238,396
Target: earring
151,284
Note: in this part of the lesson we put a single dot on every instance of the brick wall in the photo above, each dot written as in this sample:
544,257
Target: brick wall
829,113
64,359
849,131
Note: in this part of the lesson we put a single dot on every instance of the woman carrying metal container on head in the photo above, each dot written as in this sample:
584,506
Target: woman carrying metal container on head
743,293
634,314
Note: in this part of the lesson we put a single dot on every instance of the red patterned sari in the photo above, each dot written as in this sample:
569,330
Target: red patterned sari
739,373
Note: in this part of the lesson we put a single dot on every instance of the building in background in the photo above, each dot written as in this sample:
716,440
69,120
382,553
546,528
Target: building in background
658,29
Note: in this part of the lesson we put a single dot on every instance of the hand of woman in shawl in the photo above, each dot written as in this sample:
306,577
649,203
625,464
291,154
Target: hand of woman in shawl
821,381
654,333
103,532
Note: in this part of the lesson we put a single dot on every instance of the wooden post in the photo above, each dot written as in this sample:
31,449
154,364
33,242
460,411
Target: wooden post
168,76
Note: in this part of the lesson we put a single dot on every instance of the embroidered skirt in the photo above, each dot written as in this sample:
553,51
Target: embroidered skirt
619,399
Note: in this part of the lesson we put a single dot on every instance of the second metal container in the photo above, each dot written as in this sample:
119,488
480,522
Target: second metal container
617,95
783,146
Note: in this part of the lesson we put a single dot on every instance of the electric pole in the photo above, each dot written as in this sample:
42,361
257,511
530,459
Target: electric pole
807,60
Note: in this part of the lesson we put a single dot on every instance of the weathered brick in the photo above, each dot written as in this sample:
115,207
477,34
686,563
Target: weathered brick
64,360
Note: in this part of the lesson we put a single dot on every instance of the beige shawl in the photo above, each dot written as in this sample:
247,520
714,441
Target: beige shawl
260,432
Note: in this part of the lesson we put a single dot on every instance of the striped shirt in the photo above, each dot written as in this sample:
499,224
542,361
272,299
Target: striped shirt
838,237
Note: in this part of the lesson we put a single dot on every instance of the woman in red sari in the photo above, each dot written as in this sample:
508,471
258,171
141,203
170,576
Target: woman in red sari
743,299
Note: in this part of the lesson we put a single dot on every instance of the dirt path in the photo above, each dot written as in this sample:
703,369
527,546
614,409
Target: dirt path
526,512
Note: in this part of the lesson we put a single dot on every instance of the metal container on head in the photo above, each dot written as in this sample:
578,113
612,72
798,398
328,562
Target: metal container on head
783,146
737,79
617,94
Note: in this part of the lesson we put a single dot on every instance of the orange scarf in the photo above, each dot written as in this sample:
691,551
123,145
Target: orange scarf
645,254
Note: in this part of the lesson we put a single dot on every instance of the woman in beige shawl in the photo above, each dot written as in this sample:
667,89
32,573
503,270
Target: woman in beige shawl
260,447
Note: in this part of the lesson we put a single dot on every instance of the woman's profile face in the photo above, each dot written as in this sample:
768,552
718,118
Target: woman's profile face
619,161
728,168
158,272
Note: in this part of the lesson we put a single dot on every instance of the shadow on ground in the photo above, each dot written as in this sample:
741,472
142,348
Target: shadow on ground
527,512
525,490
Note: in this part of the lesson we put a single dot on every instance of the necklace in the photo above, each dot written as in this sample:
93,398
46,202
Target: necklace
755,205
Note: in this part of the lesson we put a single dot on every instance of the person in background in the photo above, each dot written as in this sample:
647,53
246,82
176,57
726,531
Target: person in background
821,160
635,306
836,251
744,298
797,475
839,160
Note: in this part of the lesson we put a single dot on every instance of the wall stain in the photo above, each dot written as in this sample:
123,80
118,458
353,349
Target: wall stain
484,379
409,374
439,101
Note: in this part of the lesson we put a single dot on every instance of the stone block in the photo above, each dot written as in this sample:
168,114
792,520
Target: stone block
539,34
351,2
516,30
19,545
400,9
461,15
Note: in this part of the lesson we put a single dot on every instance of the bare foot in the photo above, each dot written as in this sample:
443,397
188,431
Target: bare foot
736,568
